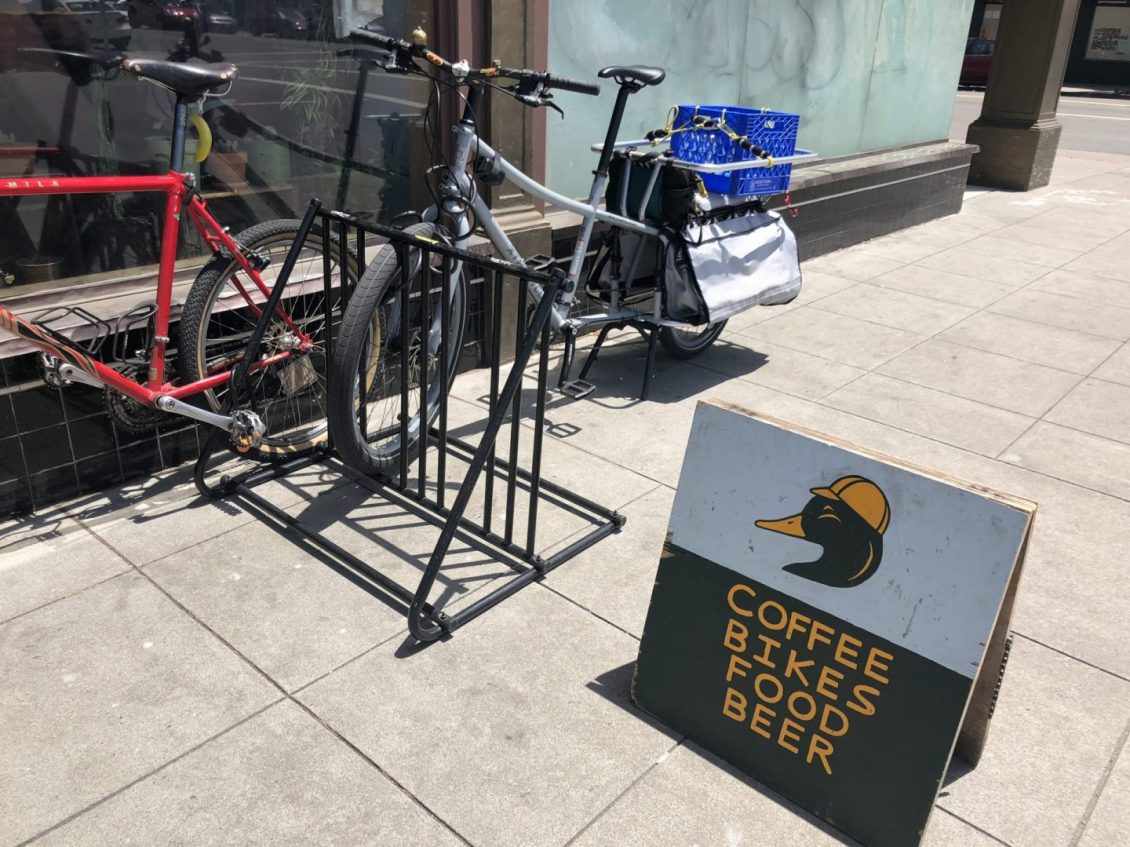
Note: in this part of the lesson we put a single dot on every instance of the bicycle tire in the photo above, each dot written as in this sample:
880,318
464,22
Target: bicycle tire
375,302
294,410
682,344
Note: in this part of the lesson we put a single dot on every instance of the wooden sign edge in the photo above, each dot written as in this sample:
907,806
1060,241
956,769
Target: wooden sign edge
1013,501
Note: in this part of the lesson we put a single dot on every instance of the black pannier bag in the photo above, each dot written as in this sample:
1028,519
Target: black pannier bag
729,259
671,202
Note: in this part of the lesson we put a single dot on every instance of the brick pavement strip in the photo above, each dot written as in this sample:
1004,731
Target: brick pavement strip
124,718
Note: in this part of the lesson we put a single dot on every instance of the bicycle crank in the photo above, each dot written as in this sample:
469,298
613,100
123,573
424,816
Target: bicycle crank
245,426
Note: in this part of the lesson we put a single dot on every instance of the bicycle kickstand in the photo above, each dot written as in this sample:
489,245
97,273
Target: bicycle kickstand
574,388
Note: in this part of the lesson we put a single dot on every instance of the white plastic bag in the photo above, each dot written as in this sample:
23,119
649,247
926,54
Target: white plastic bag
731,264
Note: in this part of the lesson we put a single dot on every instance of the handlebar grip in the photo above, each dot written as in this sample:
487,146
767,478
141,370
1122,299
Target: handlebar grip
564,84
375,38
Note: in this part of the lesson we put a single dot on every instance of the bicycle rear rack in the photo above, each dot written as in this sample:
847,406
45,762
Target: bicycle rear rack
497,532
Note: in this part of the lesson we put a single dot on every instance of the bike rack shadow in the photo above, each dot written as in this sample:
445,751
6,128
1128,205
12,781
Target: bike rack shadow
495,534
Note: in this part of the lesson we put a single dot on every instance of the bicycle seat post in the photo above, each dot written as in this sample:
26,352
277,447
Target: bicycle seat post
180,124
614,128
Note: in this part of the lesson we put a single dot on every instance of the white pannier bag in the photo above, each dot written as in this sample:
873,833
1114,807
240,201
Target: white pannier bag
729,261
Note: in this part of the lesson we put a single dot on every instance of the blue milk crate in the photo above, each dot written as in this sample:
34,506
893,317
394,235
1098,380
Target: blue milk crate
774,132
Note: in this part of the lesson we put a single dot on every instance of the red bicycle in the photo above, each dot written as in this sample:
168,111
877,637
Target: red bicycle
281,411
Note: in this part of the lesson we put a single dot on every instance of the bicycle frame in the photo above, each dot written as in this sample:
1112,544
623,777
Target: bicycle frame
468,143
179,197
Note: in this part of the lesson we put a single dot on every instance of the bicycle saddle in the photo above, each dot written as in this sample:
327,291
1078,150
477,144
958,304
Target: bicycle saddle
637,75
192,81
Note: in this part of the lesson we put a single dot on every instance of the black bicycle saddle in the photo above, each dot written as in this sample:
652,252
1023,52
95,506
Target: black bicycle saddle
639,75
192,81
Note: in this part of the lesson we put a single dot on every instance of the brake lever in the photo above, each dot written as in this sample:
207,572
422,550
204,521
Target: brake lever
536,100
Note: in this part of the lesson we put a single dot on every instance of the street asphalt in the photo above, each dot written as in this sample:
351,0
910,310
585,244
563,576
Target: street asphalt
1096,124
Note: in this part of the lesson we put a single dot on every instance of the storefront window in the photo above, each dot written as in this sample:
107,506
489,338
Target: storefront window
862,75
281,135
1110,32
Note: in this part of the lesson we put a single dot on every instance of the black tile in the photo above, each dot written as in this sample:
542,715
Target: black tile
37,407
126,438
21,369
11,460
7,417
15,498
53,486
141,457
46,448
98,472
82,400
178,447
91,436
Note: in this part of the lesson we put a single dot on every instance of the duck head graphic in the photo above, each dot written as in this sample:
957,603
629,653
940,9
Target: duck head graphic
848,519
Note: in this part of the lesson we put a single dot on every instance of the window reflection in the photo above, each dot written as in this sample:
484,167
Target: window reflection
281,134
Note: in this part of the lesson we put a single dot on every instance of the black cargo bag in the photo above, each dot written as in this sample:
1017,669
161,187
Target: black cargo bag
672,199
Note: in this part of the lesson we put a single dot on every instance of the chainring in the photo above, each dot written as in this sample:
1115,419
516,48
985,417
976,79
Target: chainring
129,415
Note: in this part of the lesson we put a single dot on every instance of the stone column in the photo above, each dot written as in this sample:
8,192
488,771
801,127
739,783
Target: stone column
1018,132
517,35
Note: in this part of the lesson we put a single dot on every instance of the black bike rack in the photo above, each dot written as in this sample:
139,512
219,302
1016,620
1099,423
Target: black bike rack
499,535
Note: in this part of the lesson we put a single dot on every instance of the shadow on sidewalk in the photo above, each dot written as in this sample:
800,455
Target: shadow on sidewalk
615,686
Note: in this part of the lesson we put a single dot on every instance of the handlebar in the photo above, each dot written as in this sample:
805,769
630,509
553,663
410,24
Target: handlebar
566,84
404,52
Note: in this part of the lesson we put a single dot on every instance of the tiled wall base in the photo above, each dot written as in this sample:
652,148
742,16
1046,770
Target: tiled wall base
59,443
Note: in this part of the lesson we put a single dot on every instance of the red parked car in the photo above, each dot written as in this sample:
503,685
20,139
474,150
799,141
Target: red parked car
978,57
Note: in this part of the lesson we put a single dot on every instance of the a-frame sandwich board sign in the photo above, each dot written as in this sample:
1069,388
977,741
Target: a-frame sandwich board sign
829,620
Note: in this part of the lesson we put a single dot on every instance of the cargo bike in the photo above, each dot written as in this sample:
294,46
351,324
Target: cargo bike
675,203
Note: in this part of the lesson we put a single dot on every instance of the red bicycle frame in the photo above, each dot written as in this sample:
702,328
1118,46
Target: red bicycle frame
174,186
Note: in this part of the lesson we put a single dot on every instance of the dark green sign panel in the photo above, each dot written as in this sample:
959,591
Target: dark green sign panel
819,617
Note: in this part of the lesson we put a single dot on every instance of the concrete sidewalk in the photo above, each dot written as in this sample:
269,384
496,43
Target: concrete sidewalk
175,671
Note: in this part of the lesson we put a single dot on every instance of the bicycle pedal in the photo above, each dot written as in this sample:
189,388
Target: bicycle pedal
577,389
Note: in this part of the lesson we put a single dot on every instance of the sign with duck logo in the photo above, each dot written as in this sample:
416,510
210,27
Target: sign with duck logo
847,519
831,621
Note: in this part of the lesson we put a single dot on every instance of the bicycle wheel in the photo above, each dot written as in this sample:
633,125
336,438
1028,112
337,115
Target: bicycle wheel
221,311
688,343
366,423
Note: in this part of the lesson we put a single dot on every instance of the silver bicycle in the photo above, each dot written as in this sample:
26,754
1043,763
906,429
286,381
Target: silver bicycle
367,371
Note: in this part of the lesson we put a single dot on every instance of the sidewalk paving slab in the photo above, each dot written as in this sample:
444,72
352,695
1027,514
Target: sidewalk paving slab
102,687
848,340
1109,822
523,751
943,285
1067,349
1098,407
614,579
1052,253
1074,456
49,556
1048,748
984,377
731,809
279,778
954,420
1097,290
1117,367
1058,310
893,308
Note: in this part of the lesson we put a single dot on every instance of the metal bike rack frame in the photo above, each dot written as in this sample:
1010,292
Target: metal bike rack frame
497,533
